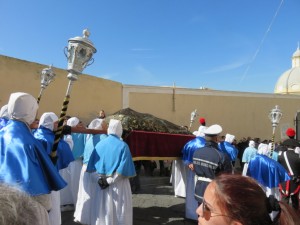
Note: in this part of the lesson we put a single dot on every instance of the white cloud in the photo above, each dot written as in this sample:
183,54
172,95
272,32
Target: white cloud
106,76
226,67
143,72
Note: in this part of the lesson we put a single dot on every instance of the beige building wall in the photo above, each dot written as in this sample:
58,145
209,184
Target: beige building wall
240,113
89,94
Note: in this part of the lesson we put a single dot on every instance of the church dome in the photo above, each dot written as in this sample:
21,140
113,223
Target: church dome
289,81
297,53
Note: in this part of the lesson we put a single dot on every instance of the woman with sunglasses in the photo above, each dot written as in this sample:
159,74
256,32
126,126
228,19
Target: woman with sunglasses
237,200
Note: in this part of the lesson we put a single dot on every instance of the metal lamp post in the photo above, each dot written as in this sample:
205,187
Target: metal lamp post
193,117
47,76
275,116
79,53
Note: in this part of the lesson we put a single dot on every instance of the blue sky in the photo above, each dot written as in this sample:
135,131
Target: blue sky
232,45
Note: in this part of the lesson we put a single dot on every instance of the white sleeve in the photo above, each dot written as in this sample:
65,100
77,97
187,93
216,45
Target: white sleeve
113,179
69,140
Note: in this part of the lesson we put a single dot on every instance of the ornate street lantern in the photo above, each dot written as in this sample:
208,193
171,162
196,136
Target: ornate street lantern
193,117
275,116
47,76
79,53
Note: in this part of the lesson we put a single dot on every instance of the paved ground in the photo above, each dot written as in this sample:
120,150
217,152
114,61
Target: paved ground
155,204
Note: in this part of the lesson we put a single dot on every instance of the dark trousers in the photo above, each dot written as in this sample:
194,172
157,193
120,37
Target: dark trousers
294,199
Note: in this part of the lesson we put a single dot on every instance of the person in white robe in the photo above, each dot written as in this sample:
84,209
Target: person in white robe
248,154
187,156
113,164
268,173
178,178
44,133
86,190
72,173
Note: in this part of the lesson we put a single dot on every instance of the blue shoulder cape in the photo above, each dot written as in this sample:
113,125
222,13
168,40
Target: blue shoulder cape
248,154
79,142
90,146
229,149
267,171
112,155
24,161
3,122
64,152
190,147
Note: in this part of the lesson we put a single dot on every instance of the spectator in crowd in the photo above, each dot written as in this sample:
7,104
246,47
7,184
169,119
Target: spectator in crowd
241,146
232,199
17,207
101,114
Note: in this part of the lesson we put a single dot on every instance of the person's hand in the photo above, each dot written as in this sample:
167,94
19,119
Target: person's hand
191,166
103,183
66,130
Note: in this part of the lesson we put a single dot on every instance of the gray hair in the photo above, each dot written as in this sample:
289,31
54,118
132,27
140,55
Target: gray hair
18,208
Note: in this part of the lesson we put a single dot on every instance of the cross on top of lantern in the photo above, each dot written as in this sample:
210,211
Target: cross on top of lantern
47,76
275,116
79,53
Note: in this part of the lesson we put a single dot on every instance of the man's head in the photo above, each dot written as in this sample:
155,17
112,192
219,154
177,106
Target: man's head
290,132
102,114
212,132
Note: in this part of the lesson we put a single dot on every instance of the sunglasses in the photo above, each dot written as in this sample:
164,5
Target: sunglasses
207,211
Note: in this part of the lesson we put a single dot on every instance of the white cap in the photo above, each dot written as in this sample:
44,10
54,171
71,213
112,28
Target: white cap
229,138
48,119
201,131
96,124
115,127
22,106
73,122
213,130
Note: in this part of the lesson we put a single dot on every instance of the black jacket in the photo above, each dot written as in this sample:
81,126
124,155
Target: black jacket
208,162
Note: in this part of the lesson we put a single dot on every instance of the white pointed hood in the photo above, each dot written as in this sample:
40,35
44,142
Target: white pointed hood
22,106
